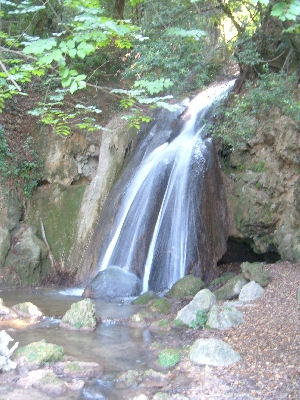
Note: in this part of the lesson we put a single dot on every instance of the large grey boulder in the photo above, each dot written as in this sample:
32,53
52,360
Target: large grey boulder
203,301
256,272
213,352
231,289
113,283
224,317
251,291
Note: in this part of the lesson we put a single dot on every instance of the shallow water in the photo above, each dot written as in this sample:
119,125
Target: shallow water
114,345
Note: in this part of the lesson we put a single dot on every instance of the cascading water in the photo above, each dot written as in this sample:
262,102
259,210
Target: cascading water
154,226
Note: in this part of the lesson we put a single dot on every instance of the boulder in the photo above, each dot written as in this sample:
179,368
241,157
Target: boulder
203,301
114,283
78,369
256,272
231,289
213,352
187,286
36,354
27,310
45,381
251,291
224,317
81,316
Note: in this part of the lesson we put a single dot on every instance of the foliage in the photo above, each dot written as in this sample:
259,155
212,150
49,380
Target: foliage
200,321
21,168
238,119
169,358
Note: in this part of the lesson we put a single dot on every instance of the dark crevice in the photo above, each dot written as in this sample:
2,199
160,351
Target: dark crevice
239,251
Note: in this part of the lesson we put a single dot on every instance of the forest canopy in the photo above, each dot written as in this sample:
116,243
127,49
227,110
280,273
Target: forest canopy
138,51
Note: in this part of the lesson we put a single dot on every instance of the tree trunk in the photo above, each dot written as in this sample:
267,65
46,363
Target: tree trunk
119,8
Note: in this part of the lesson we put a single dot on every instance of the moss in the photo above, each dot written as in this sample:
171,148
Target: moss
160,305
187,286
81,315
169,358
39,353
145,298
57,207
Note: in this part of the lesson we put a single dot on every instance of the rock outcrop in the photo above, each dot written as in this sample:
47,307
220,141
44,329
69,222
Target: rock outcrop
263,188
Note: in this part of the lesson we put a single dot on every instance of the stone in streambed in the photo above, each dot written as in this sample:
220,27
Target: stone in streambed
114,283
213,352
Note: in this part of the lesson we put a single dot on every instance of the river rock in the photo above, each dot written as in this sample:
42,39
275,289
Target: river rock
45,381
203,301
113,283
224,317
213,352
27,310
231,289
81,316
35,354
251,291
188,286
256,272
78,369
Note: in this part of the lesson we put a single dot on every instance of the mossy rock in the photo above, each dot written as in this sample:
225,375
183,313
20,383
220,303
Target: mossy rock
38,353
145,298
81,316
220,281
256,272
27,310
169,358
187,286
231,289
161,306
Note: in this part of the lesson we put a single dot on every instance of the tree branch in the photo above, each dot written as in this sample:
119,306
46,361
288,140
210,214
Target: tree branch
9,76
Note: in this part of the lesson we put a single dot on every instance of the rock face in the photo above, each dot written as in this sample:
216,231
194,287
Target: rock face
263,188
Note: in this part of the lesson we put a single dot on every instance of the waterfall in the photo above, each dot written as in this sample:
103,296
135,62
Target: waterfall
152,223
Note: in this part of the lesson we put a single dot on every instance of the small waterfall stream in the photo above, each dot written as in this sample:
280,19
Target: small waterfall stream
152,222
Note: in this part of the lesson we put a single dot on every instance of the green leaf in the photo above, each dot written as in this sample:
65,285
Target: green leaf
73,87
39,46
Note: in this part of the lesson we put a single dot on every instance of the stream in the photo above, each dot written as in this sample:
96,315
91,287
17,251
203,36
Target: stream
115,346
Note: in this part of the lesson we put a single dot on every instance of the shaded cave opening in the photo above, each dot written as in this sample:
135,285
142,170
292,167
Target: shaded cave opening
239,251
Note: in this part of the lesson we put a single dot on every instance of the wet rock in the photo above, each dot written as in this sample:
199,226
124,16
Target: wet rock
114,283
203,301
231,289
224,317
256,272
188,286
167,396
130,378
155,379
45,381
213,352
251,291
35,354
145,298
5,353
78,369
161,306
81,316
6,312
27,310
